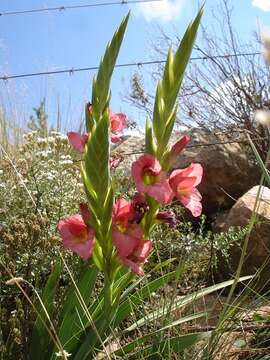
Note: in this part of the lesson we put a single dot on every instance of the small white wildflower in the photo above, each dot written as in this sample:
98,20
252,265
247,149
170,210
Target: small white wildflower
66,162
44,153
63,354
65,157
1,172
61,136
13,313
41,140
265,36
262,117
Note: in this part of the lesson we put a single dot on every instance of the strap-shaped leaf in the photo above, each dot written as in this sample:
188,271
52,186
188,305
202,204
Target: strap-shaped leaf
168,88
260,161
73,317
165,349
183,301
101,86
135,299
139,342
40,339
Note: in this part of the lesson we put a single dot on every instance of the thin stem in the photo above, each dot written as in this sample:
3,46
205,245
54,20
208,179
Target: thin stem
107,293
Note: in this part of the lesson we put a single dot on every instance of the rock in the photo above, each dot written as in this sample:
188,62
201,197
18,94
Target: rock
228,172
258,249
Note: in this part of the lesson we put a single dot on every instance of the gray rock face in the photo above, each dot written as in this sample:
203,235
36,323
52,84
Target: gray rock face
228,173
258,249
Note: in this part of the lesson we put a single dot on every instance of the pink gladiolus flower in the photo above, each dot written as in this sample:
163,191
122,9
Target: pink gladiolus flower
77,236
122,213
77,140
118,122
115,161
178,147
183,183
150,179
115,139
138,256
127,237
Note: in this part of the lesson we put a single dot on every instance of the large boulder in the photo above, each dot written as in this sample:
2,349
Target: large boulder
258,249
228,171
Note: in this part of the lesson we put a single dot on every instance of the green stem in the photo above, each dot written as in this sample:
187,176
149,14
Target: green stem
107,293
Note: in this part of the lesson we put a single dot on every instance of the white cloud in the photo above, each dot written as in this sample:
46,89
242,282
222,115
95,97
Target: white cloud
164,10
264,5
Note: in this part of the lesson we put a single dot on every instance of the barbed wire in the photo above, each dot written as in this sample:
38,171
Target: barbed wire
73,70
73,7
216,143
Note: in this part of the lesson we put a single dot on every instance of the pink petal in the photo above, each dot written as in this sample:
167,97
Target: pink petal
85,250
193,172
192,202
116,139
178,147
145,163
133,266
186,185
124,243
73,225
86,215
76,236
118,121
161,192
77,140
115,161
196,170
122,211
143,250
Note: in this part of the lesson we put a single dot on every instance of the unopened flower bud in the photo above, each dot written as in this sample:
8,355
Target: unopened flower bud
262,117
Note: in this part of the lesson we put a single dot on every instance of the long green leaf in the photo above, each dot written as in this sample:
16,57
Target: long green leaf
73,318
183,301
135,299
260,161
91,339
40,338
138,342
174,323
162,349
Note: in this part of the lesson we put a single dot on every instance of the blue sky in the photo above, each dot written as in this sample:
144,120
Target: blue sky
77,38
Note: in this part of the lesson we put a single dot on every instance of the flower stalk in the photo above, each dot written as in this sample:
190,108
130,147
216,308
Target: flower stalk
116,233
